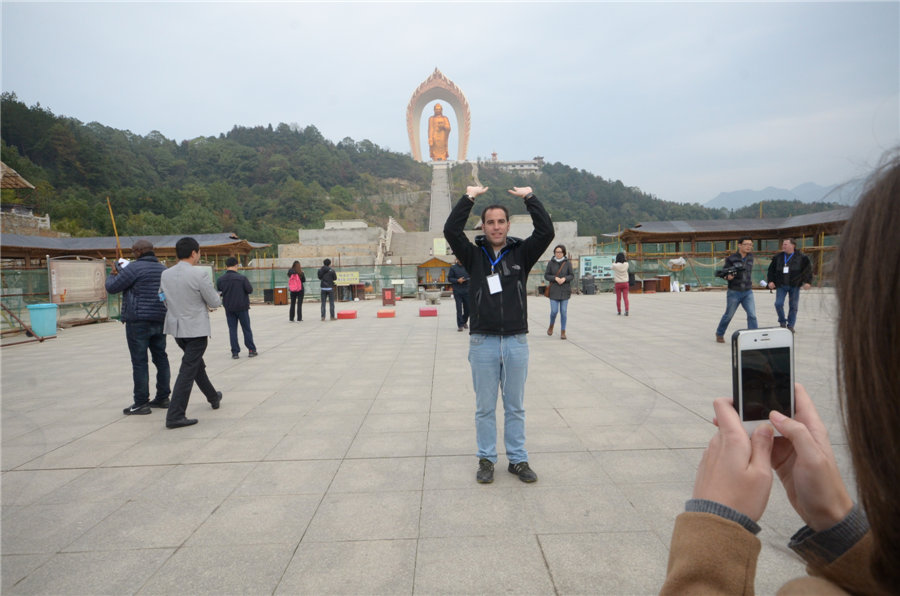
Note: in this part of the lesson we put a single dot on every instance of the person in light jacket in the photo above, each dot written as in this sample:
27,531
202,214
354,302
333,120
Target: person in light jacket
189,295
620,278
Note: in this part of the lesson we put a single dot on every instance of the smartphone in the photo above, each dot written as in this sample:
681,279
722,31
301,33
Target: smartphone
762,363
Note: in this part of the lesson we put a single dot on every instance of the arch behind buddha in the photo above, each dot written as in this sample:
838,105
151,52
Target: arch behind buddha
438,87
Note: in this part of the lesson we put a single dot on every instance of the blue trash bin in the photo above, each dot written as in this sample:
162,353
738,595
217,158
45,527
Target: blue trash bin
43,319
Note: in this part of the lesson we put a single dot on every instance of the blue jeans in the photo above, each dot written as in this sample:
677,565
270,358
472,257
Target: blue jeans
735,298
499,361
561,306
141,336
793,292
329,295
243,317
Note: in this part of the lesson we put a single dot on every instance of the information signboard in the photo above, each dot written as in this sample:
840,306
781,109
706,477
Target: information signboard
347,278
599,266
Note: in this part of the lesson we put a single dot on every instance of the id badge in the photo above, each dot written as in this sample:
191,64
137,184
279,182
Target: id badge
786,270
494,283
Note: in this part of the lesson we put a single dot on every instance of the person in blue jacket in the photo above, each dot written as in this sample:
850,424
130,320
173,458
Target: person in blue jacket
143,314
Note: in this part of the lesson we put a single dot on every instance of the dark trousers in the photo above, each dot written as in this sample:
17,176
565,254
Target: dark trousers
330,297
297,298
141,336
192,369
243,317
462,307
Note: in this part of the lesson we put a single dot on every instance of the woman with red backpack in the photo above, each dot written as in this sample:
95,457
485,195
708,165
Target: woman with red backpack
296,280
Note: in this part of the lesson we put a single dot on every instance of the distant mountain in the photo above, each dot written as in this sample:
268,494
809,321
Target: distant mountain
846,194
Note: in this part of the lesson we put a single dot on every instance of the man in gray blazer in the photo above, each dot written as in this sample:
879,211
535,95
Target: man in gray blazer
189,295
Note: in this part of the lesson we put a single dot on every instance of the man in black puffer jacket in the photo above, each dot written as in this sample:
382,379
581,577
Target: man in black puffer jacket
498,349
143,314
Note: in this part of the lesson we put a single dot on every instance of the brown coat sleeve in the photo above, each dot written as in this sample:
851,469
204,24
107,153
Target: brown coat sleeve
710,555
849,573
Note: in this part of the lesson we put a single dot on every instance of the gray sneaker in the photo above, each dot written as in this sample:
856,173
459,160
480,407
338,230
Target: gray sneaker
523,471
485,474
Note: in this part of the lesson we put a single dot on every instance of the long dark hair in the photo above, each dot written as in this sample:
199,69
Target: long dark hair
295,268
869,353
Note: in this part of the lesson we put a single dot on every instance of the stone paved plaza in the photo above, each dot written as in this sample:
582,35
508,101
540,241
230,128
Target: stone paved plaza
342,459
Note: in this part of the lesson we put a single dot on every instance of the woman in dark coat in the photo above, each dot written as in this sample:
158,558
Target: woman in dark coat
559,274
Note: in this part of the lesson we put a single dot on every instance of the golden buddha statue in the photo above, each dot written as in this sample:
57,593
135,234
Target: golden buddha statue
438,133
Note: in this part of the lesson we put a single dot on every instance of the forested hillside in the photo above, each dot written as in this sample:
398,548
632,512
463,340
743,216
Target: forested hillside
264,183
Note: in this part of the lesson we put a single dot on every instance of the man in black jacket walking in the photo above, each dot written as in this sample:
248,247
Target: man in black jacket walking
789,271
236,289
143,314
498,348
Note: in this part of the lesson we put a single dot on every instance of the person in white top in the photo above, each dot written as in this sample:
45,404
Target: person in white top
620,275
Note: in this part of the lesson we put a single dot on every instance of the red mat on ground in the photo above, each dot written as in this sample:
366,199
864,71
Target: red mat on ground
346,314
428,311
387,313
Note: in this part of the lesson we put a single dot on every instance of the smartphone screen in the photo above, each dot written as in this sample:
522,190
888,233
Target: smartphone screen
766,382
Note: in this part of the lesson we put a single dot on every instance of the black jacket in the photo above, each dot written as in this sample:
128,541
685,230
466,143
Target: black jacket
327,277
236,290
140,283
554,270
744,281
799,270
506,312
456,272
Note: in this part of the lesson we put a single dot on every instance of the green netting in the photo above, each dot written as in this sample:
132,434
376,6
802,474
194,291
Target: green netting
21,287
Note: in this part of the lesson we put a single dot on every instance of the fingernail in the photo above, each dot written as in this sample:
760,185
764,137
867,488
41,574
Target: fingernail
776,416
767,430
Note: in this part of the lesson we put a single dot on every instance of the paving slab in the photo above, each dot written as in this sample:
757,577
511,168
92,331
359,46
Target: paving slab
342,458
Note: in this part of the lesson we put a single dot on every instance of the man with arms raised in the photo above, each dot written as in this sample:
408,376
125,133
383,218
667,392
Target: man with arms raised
498,349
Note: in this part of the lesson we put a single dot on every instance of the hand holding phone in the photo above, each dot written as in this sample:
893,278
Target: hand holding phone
805,463
736,470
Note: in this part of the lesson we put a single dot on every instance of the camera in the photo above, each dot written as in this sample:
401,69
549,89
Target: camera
734,270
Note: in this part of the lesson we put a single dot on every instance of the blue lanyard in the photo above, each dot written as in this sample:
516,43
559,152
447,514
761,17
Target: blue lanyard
494,261
788,259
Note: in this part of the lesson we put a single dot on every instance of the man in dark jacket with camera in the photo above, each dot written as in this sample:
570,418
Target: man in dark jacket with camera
236,289
738,271
789,271
498,266
143,314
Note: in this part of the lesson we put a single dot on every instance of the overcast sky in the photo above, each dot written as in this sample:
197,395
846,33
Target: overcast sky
683,100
